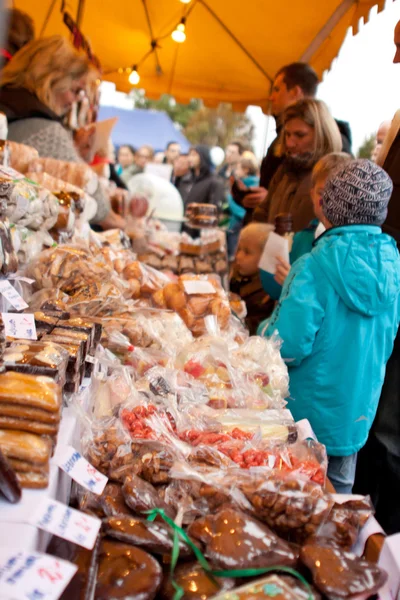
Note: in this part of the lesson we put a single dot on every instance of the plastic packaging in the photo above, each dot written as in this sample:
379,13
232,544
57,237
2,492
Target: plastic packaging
78,174
194,298
37,358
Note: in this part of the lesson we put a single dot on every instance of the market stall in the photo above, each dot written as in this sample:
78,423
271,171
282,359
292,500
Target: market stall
141,385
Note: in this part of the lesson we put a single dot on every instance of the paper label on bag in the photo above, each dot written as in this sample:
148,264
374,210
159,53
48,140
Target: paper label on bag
305,431
80,470
20,326
275,246
11,294
91,359
66,523
33,575
18,278
198,287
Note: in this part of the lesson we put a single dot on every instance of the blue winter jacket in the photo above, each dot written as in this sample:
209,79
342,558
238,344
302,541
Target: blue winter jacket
338,316
237,212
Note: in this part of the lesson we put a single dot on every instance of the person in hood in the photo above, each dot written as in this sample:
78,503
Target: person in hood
338,316
206,188
292,83
38,88
309,133
20,31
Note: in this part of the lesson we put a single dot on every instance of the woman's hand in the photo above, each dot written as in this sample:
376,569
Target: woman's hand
282,270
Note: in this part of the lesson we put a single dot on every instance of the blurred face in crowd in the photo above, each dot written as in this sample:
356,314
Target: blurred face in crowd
240,172
281,97
382,131
142,157
172,153
68,92
194,159
125,157
396,58
248,254
232,155
316,196
299,138
181,166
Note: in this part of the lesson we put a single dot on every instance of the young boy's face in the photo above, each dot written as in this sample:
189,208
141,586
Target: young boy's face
240,173
248,255
316,196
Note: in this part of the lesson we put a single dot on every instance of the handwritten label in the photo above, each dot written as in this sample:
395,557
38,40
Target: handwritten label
198,287
80,470
66,522
21,326
11,294
275,246
32,575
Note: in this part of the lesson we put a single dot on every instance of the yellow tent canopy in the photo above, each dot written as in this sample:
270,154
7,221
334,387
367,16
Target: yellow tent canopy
232,50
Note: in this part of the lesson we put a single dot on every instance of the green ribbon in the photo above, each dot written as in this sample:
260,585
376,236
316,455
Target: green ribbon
180,533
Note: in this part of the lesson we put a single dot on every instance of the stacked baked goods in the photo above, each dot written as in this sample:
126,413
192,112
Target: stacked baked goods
30,412
202,216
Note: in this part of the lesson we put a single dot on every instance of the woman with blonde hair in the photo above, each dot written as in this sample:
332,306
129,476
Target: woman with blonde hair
38,88
309,133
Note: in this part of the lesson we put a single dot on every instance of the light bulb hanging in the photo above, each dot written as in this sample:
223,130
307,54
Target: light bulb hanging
185,1
134,77
179,35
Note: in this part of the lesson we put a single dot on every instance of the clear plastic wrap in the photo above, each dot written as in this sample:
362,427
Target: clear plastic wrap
27,204
194,298
37,358
349,514
139,360
21,156
279,587
8,256
143,279
28,243
79,174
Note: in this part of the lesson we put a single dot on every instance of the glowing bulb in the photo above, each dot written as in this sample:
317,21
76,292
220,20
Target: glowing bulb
185,1
179,35
120,70
134,77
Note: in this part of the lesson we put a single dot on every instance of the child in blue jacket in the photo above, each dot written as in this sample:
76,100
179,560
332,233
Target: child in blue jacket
338,316
247,172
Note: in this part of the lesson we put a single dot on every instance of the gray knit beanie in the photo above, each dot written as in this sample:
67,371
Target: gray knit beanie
357,193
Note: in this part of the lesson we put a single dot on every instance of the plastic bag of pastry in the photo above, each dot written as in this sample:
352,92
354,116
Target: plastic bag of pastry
8,256
139,360
126,572
349,514
79,174
293,507
149,279
279,587
56,186
194,298
28,243
261,360
340,574
66,215
141,496
21,156
5,153
232,539
27,203
37,358
53,300
237,305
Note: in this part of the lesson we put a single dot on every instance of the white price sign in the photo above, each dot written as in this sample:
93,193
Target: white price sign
198,287
66,523
11,294
80,470
32,575
19,325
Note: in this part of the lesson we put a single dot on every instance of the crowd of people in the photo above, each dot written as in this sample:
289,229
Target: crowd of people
335,304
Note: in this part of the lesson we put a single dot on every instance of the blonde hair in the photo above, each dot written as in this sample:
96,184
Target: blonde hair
328,164
250,164
258,232
316,114
44,65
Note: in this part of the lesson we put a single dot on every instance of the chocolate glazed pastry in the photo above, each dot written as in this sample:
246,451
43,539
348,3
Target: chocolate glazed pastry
9,485
233,540
339,574
112,501
126,573
195,583
154,537
141,496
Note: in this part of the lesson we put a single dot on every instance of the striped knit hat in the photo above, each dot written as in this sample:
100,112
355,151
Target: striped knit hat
357,193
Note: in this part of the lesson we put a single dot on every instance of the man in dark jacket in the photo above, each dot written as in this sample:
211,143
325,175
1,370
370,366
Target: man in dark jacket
206,188
378,467
292,83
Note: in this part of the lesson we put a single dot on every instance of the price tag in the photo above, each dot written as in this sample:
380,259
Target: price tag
20,325
91,359
66,523
198,287
11,294
80,470
32,575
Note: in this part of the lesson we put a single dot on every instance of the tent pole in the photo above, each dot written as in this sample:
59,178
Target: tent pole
326,30
146,10
79,12
47,18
